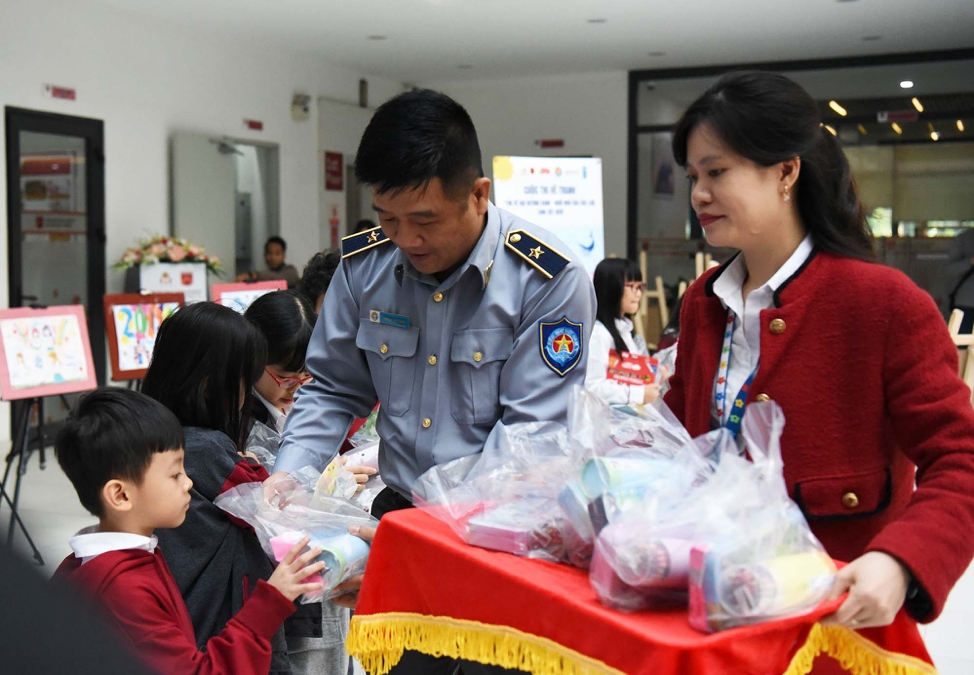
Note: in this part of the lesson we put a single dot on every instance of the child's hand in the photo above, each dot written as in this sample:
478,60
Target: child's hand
289,576
362,474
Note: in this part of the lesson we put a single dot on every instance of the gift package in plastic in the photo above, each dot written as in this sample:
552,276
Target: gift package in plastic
296,510
264,443
366,455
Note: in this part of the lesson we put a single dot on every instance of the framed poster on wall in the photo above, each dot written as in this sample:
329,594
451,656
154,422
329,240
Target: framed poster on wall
44,352
133,322
239,296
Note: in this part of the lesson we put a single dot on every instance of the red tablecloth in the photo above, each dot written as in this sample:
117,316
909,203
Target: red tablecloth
425,590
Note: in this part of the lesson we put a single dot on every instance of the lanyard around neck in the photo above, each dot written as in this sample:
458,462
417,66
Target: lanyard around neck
720,386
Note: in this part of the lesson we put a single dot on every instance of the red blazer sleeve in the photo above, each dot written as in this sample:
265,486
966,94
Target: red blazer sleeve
933,421
147,617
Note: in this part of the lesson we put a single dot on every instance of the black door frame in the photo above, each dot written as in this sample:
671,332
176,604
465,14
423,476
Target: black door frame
92,130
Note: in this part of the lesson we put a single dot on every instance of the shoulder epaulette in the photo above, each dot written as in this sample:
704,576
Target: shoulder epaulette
363,241
538,254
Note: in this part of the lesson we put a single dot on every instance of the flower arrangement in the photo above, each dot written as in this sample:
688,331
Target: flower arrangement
167,249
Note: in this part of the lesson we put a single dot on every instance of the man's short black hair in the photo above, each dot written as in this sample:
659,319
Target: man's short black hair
416,137
112,434
317,275
275,240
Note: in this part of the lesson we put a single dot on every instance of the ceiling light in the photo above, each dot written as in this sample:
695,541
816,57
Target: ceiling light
935,136
906,84
862,130
930,127
657,53
917,104
960,125
897,128
597,20
377,38
838,108
831,130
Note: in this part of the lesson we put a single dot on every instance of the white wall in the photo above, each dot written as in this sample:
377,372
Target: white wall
588,111
145,79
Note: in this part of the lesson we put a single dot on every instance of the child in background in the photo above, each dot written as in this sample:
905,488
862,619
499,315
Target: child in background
618,290
123,453
206,361
317,277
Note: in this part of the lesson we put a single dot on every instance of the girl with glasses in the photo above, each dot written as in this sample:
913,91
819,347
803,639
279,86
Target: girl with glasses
618,289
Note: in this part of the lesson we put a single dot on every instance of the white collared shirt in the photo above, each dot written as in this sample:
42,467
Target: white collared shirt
596,378
89,543
746,340
277,418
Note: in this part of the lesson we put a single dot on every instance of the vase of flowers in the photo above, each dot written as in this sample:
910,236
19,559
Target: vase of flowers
168,264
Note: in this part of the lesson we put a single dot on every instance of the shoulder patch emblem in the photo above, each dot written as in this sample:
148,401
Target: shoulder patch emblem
538,254
561,345
363,241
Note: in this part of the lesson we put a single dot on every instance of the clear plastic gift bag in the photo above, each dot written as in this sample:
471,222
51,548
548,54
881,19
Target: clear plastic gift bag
297,510
366,433
366,455
264,443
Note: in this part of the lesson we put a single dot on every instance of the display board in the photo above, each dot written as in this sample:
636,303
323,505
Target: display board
561,194
133,322
44,352
240,296
188,278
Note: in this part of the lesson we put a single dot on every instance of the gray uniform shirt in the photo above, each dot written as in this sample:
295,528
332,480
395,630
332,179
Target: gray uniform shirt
498,342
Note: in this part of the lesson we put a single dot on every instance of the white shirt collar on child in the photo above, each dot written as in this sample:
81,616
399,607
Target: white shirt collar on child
89,543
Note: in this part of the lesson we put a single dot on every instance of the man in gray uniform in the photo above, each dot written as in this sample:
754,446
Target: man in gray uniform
457,317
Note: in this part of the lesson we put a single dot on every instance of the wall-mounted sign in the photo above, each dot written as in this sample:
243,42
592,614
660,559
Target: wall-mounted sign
334,171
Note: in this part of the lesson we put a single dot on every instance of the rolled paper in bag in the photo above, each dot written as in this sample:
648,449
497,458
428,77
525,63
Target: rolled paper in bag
344,554
776,586
605,473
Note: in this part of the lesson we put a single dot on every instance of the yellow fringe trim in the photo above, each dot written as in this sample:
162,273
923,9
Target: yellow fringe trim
378,641
855,654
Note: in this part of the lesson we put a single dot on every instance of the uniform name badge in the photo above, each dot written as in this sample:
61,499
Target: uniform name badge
387,319
561,345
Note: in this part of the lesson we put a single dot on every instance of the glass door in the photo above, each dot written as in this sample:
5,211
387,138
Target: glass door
56,221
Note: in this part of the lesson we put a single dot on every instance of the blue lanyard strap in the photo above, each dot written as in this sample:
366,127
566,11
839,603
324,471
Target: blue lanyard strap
720,387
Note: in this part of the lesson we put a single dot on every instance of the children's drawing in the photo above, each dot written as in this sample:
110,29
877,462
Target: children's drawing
136,326
44,350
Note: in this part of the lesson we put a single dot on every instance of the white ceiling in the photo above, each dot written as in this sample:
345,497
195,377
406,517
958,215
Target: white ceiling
429,40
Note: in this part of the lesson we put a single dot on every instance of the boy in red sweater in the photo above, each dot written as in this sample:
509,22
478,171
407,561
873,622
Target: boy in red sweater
123,453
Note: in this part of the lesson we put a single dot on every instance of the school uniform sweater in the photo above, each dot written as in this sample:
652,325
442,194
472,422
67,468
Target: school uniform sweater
138,591
861,363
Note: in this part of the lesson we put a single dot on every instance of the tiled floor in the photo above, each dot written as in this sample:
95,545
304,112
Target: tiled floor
52,513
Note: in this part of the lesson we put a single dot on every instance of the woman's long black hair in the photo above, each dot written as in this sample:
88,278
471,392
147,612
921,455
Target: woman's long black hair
610,278
767,118
206,357
286,320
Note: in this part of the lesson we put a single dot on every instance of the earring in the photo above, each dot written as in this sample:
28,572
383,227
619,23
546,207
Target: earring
787,195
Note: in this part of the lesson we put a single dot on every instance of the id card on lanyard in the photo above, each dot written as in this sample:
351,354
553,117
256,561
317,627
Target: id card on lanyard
739,402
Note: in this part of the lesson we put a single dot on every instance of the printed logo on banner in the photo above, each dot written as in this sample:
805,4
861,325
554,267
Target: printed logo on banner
561,345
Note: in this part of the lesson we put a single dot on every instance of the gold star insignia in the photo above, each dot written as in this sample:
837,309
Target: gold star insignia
536,252
374,237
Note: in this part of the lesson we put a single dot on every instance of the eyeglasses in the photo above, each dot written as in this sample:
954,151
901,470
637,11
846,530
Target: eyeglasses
288,382
636,286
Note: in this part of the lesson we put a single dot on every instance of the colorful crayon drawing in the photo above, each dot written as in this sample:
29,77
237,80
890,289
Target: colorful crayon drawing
44,350
136,327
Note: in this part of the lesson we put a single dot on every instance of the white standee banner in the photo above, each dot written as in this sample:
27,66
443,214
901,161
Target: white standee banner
188,278
561,194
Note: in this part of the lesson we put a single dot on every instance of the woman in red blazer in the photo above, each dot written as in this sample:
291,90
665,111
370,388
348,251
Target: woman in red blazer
856,355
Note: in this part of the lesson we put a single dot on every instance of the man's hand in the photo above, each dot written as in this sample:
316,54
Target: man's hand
876,583
362,475
348,589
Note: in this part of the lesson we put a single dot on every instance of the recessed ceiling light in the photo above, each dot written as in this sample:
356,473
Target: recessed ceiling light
831,130
960,125
897,128
377,38
838,108
465,66
597,20
934,135
657,53
872,38
917,104
906,84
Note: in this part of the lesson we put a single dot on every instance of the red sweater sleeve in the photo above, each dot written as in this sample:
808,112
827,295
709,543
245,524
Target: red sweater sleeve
146,614
933,421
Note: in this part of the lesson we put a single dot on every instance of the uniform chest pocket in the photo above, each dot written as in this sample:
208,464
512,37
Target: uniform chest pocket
390,351
477,357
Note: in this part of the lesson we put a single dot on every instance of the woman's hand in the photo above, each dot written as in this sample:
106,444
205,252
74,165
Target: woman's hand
348,590
876,583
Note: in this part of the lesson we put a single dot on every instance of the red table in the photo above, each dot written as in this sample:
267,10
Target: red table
427,591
